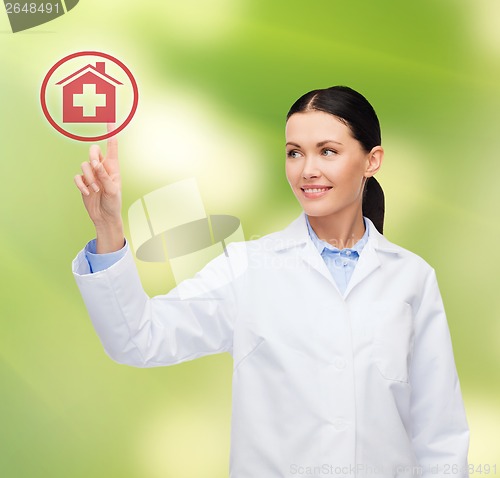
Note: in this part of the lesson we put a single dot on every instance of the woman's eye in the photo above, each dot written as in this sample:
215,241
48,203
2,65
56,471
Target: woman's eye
329,152
293,154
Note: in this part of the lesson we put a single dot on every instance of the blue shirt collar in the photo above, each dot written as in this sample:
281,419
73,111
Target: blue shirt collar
321,245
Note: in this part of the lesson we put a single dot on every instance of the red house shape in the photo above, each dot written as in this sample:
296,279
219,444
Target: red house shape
89,95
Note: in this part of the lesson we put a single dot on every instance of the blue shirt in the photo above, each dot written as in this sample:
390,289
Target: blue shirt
340,263
99,262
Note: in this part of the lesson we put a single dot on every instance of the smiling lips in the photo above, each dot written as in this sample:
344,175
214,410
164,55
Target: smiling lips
315,191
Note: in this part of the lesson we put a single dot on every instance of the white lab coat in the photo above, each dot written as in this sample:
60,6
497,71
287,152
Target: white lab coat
362,384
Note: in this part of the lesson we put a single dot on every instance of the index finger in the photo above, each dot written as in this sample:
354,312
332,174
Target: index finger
112,145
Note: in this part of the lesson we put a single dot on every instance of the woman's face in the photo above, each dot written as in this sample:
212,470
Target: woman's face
325,166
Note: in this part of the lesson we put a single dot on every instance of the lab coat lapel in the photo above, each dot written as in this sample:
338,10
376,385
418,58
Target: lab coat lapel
368,262
371,256
296,237
311,255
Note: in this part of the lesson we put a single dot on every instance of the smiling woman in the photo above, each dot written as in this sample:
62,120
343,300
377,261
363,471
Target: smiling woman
342,356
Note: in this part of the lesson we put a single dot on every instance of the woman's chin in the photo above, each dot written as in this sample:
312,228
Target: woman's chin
317,212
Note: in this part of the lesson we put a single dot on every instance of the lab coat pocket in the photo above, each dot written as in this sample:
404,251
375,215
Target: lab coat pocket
392,339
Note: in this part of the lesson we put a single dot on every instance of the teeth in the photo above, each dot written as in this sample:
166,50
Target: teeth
315,190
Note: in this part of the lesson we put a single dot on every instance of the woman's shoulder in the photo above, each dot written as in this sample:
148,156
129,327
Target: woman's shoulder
404,256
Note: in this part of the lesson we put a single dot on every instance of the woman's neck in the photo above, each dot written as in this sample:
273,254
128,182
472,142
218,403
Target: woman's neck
338,230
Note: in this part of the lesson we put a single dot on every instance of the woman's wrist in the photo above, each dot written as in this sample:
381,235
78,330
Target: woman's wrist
109,237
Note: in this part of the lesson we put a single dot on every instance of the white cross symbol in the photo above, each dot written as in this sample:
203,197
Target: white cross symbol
89,99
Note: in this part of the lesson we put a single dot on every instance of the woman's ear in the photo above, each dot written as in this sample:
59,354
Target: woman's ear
374,161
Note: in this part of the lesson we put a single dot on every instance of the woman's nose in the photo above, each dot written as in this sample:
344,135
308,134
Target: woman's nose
310,169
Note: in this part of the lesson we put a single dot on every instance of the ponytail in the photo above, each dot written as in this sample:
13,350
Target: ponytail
374,203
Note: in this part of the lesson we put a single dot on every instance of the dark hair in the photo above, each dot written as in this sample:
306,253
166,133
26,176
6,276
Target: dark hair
354,110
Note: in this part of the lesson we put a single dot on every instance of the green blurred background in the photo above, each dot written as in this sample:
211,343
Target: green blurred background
216,79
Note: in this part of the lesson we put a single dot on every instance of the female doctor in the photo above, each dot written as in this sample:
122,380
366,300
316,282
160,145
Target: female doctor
343,362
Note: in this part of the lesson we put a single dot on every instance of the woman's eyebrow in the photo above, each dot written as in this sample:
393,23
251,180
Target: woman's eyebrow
321,143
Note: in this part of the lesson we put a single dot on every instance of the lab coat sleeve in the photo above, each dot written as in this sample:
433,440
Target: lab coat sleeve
194,319
440,433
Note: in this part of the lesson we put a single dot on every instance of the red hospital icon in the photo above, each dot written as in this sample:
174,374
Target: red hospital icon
89,95
86,90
